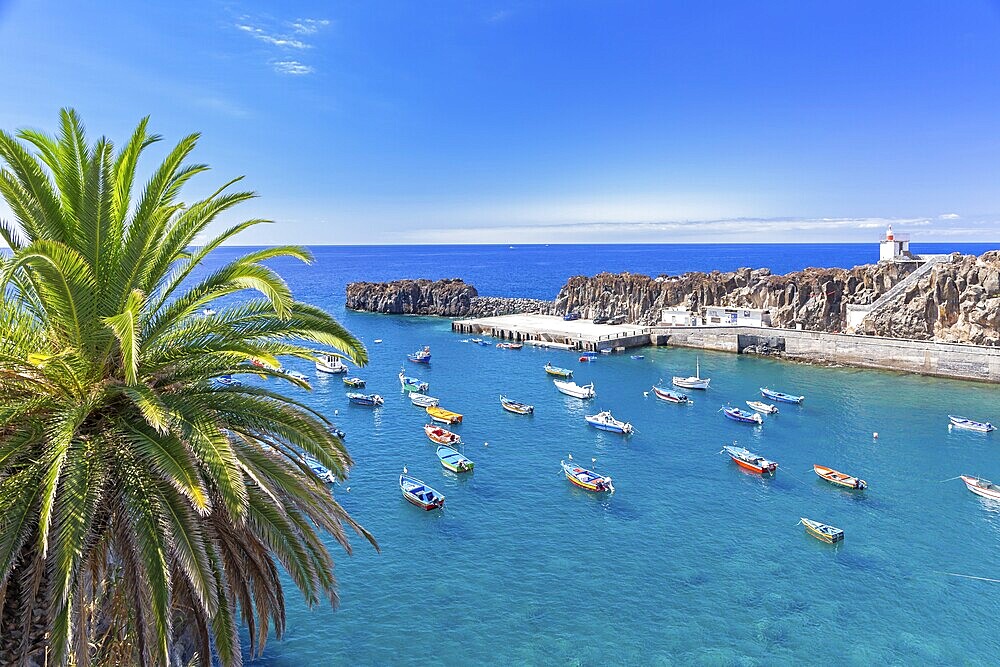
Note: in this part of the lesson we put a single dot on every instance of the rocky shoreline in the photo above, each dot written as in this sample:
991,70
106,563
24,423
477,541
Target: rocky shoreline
958,300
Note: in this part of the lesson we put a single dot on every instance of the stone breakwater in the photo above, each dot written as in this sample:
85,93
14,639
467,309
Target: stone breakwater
451,297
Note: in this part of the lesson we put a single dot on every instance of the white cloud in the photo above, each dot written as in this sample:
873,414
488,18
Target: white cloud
308,26
272,38
949,216
293,67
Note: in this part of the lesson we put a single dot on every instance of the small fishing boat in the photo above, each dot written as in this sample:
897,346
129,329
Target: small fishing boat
207,312
605,422
443,416
228,381
510,346
441,436
559,372
779,396
423,400
638,356
295,375
693,382
479,341
357,383
587,479
585,359
419,493
421,356
970,425
750,461
766,408
515,407
338,432
330,363
575,390
839,478
588,353
368,400
670,396
742,416
319,469
412,384
453,460
377,341
982,487
822,532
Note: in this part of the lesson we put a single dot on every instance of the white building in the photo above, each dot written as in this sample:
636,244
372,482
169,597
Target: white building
894,246
751,317
679,317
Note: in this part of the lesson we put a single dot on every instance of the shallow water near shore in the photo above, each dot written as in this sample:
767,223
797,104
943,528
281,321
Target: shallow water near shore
691,560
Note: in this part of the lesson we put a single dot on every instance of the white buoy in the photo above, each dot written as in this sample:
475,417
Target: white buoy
336,412
645,393
569,456
348,489
875,435
405,471
486,444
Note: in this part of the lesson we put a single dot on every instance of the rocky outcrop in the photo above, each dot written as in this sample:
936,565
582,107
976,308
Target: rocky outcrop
452,298
413,297
815,298
958,301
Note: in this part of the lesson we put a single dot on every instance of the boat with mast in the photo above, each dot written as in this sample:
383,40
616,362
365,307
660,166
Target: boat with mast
693,382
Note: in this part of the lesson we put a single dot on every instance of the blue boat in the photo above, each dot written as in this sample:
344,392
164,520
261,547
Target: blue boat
638,356
368,400
412,384
778,396
228,381
742,416
419,493
605,422
421,356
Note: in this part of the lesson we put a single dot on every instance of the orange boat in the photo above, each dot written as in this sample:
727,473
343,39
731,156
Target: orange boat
839,478
442,436
750,461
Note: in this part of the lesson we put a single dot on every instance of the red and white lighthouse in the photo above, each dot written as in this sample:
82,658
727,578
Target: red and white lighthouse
893,246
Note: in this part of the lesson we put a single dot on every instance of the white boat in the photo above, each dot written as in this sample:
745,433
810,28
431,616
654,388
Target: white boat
766,408
575,390
982,487
605,422
319,469
423,400
378,340
295,375
330,363
970,425
694,382
207,312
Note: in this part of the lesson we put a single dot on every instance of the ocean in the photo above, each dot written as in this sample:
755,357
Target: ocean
690,561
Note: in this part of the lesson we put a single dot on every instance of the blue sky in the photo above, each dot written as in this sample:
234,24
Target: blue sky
552,122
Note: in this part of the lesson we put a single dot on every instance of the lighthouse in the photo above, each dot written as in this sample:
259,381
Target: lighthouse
894,247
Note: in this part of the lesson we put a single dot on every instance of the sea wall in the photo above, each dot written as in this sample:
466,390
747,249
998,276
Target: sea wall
451,297
954,360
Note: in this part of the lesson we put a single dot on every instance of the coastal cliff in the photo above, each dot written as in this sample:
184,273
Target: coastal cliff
815,298
958,301
450,297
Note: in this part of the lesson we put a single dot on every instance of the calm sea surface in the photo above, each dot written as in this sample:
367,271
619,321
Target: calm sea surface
691,561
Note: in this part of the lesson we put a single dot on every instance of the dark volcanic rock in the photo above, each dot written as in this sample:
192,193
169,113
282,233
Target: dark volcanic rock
451,298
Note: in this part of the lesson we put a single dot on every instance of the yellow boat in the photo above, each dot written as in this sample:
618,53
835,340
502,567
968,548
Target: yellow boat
444,416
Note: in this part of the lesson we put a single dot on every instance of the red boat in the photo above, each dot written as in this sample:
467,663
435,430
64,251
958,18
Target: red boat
442,436
750,461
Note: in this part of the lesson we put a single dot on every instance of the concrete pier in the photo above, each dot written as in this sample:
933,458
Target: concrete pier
554,331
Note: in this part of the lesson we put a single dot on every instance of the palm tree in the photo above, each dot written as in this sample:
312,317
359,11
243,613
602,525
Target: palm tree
148,510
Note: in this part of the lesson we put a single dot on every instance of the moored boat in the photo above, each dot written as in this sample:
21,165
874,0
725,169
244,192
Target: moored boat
423,400
419,493
742,416
822,531
412,384
515,407
670,396
559,372
981,487
441,436
319,469
575,390
368,400
228,381
421,356
587,479
586,359
970,424
330,363
510,346
605,422
443,416
295,375
839,478
638,356
765,408
357,383
453,460
693,382
780,396
747,460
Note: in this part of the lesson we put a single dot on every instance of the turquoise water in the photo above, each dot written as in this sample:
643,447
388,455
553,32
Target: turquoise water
691,561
